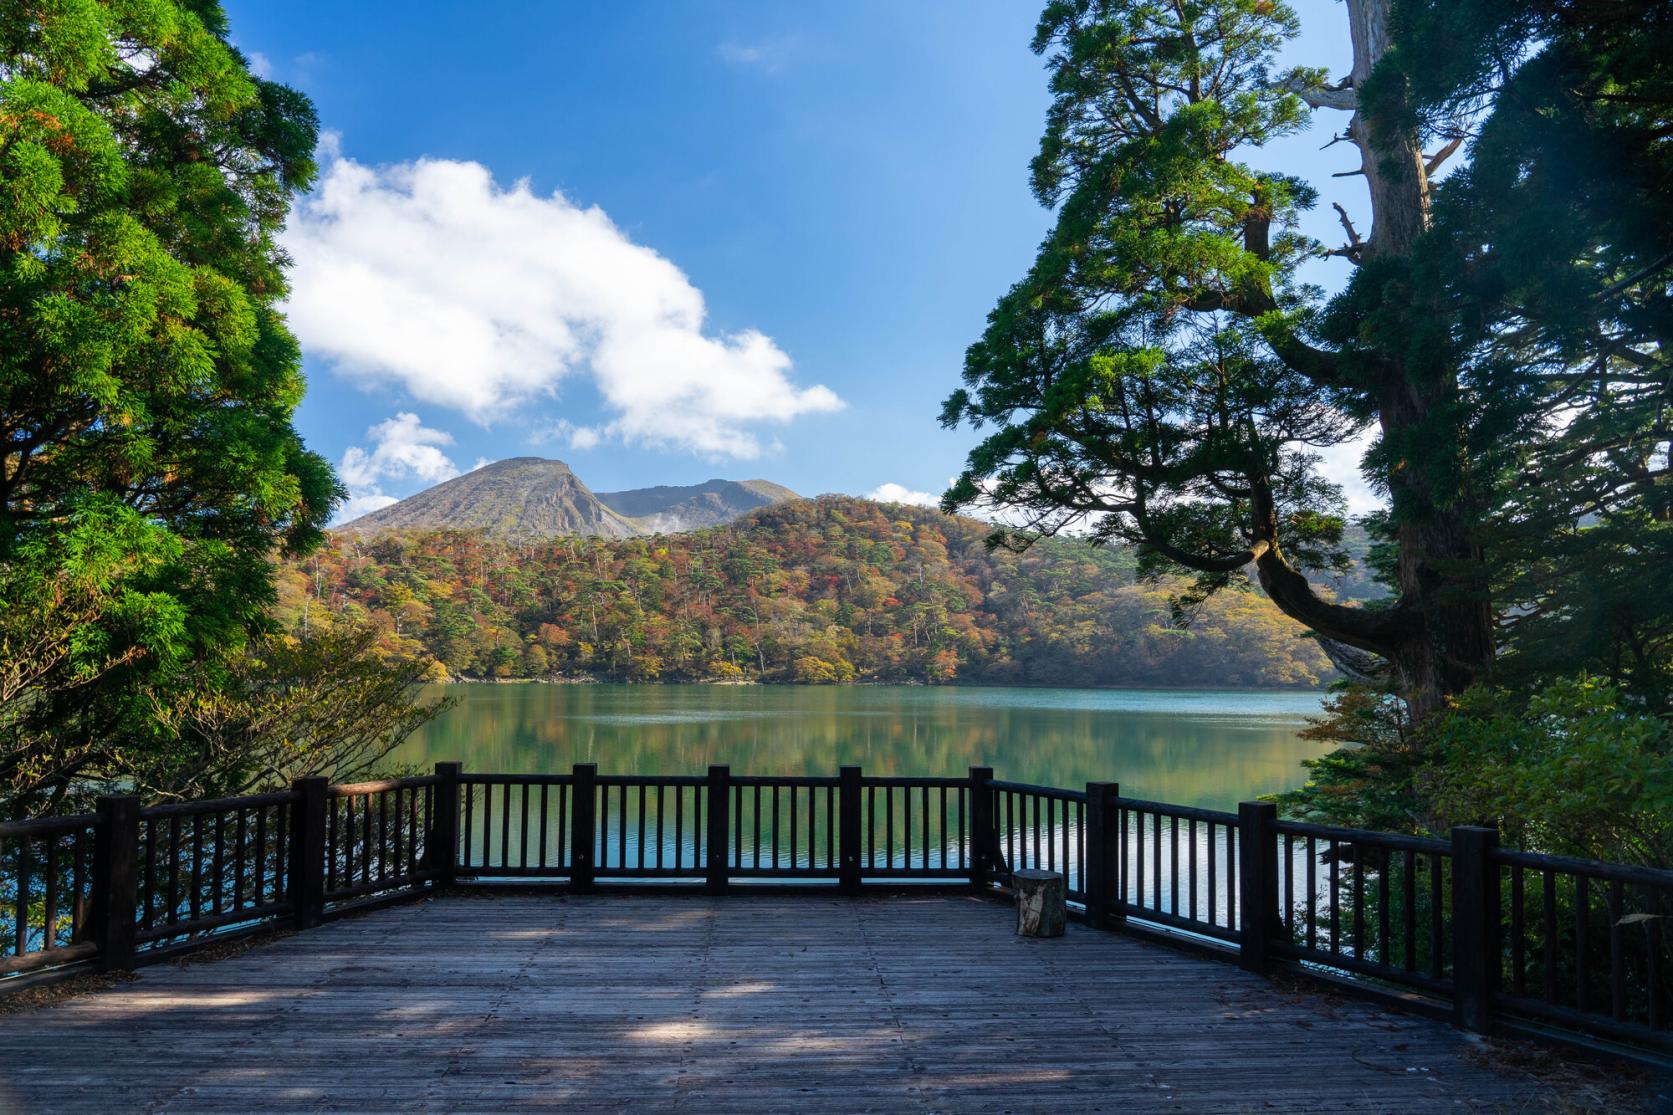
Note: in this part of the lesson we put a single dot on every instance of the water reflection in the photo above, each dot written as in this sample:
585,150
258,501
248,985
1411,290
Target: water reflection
1209,749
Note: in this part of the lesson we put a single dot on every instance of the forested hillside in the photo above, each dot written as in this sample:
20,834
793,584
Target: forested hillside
827,590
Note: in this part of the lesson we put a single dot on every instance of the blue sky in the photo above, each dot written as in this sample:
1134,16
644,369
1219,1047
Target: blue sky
777,228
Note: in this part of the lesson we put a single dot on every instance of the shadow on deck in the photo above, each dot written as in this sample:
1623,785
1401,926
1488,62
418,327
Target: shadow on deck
804,1003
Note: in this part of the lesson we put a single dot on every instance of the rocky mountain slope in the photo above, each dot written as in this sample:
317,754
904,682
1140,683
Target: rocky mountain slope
669,509
530,498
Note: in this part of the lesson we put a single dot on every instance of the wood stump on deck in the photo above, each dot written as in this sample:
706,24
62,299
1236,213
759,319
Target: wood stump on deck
1041,902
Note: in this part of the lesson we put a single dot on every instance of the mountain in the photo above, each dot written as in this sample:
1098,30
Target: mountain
530,498
670,509
811,590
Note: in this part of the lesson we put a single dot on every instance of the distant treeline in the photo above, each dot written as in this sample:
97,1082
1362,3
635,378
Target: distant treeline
827,590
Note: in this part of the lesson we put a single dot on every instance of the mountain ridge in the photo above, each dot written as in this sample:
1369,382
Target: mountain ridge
535,498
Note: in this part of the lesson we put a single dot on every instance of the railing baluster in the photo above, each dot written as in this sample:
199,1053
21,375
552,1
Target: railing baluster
1408,894
1312,894
1289,888
219,862
1548,935
1173,865
545,810
679,826
1582,918
1437,932
173,870
523,829
1232,858
1382,910
398,851
149,912
1335,899
565,795
1191,865
1156,861
260,881
1518,934
20,912
924,813
755,830
470,824
946,834
1652,969
737,827
81,892
659,790
641,856
1033,806
366,837
1617,953
962,794
505,825
1122,874
1359,901
1138,859
888,828
195,904
49,896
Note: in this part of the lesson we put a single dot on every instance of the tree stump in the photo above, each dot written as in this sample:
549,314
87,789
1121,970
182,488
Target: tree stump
1041,898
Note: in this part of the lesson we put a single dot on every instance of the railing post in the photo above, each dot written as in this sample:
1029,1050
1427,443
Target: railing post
1475,926
116,880
848,830
583,827
1103,852
715,842
307,852
984,838
443,848
1257,881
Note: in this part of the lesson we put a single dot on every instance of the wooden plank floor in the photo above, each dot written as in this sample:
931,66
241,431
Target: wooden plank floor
818,1003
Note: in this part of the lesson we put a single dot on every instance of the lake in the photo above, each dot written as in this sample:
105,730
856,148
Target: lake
1192,747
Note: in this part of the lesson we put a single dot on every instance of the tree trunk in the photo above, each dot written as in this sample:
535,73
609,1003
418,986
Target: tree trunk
1442,575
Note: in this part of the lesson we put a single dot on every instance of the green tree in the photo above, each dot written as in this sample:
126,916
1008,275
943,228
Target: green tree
1554,249
148,465
1162,371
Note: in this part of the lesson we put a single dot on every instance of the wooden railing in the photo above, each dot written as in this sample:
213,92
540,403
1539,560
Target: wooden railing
1500,938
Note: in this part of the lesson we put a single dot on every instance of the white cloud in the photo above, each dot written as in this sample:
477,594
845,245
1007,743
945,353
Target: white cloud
355,506
483,299
1340,464
403,450
899,493
260,64
767,55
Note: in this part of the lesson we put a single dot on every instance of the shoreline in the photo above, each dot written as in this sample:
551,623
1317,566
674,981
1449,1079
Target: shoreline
730,683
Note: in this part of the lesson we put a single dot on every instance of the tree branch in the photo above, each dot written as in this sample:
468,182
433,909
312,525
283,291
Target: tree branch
1356,246
1433,162
1341,95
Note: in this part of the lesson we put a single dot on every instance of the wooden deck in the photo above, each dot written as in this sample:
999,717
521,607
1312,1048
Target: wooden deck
816,1003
